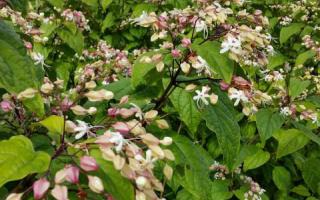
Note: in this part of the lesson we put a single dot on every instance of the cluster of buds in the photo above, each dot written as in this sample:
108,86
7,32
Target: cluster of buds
247,46
220,170
301,11
28,24
119,147
242,91
309,43
255,190
77,17
300,112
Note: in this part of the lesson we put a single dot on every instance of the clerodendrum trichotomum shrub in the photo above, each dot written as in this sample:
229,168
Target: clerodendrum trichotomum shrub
159,99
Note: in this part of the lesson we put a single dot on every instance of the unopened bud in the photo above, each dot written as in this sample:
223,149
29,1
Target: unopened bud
47,88
27,94
95,184
213,99
163,124
166,141
190,87
150,115
168,171
88,164
40,187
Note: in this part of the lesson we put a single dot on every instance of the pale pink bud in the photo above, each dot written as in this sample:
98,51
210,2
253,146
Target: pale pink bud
95,184
185,42
6,106
88,164
125,113
72,174
224,86
40,187
60,192
66,104
121,127
14,196
124,99
113,112
175,53
28,45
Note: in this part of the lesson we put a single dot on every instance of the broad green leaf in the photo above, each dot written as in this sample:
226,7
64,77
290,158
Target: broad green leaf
114,183
141,70
187,109
220,63
63,70
256,160
184,195
221,119
35,105
307,132
276,61
143,7
267,123
18,159
105,3
281,178
75,41
17,71
220,190
92,3
311,173
297,86
120,88
303,57
108,21
289,31
20,5
301,190
289,141
54,124
57,3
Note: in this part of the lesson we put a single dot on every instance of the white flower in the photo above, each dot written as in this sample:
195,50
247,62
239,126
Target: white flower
277,76
285,111
117,139
82,129
145,19
238,95
202,26
201,96
232,44
38,58
201,65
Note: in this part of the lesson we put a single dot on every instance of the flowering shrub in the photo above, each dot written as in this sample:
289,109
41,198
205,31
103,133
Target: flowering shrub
159,99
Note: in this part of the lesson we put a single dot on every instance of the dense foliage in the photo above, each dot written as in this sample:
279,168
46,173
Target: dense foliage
159,99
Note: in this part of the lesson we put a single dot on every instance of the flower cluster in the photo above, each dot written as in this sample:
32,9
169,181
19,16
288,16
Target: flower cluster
77,17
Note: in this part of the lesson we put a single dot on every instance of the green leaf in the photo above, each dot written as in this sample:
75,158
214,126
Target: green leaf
143,7
281,178
108,21
289,141
187,109
303,57
256,160
105,3
220,63
307,132
311,173
63,70
276,61
267,123
221,119
17,71
297,86
75,41
92,3
301,190
141,70
114,183
289,31
120,88
54,123
35,105
18,159
57,3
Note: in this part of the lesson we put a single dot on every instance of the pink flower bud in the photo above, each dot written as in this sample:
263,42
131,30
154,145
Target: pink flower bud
175,53
6,106
40,187
66,104
125,113
224,86
28,45
185,42
72,174
88,164
112,112
121,127
60,192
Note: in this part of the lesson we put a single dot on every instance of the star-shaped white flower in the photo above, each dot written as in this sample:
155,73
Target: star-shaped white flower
201,96
238,95
232,44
